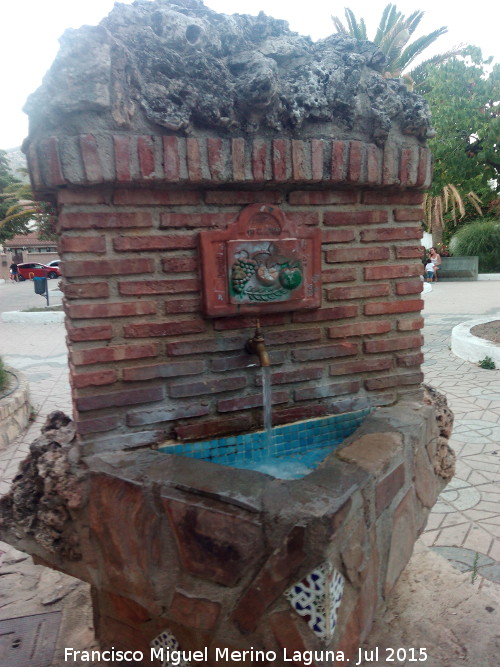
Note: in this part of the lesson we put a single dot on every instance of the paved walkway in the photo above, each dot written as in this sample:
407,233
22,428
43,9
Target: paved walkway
464,526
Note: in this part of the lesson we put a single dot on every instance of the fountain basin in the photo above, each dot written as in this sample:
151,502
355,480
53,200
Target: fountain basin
287,452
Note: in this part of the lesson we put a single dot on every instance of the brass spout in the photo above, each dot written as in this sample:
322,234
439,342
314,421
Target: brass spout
257,345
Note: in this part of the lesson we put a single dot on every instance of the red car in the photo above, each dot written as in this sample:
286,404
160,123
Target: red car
35,270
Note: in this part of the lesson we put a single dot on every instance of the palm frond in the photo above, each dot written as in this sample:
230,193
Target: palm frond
414,49
457,198
357,30
475,201
339,26
413,20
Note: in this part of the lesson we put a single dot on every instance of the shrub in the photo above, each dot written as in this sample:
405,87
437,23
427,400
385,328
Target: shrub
481,238
4,378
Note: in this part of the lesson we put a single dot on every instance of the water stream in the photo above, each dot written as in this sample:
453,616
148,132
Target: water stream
267,405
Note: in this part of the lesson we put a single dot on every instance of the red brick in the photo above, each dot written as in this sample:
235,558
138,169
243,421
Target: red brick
390,234
82,196
98,332
391,344
171,370
146,155
326,314
366,217
311,218
408,215
292,336
211,428
205,387
409,287
240,197
387,381
141,287
90,158
111,220
107,267
160,329
51,162
390,164
393,271
300,375
260,160
176,220
99,355
340,275
373,164
409,360
337,235
121,144
86,290
299,412
408,166
171,158
321,197
120,398
359,329
317,158
391,307
410,324
355,167
180,264
339,157
281,159
360,366
238,158
94,379
399,197
215,158
155,415
424,171
357,255
120,309
300,160
182,306
358,292
410,252
34,166
193,159
151,243
98,424
343,349
95,244
206,345
325,391
142,197
248,402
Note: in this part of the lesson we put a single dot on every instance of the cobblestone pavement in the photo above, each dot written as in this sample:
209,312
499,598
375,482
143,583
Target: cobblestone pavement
464,525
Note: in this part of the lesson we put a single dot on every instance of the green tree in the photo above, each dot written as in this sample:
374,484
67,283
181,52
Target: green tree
393,37
464,97
19,213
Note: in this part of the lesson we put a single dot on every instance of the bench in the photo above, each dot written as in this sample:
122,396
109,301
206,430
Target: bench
458,268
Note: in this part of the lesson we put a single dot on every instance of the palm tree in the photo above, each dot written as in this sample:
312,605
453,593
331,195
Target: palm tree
393,37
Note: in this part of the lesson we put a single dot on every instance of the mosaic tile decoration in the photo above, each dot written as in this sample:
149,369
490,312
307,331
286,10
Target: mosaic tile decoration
307,442
169,644
317,598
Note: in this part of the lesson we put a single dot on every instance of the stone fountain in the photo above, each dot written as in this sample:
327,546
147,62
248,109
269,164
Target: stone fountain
209,171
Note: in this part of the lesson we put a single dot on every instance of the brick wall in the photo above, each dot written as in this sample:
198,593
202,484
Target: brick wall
146,365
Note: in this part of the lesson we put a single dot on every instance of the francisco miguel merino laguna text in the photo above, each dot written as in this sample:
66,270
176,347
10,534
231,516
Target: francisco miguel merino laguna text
177,657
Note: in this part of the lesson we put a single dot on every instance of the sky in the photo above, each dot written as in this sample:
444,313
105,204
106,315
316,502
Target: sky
30,30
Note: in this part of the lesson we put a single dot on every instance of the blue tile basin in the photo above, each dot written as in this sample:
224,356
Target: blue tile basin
286,452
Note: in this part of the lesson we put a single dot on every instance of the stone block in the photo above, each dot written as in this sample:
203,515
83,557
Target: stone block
216,545
193,611
404,534
374,452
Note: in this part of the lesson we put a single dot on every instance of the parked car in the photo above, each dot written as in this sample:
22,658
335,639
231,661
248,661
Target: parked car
54,262
35,270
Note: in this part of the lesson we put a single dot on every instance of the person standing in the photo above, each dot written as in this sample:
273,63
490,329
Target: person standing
14,272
